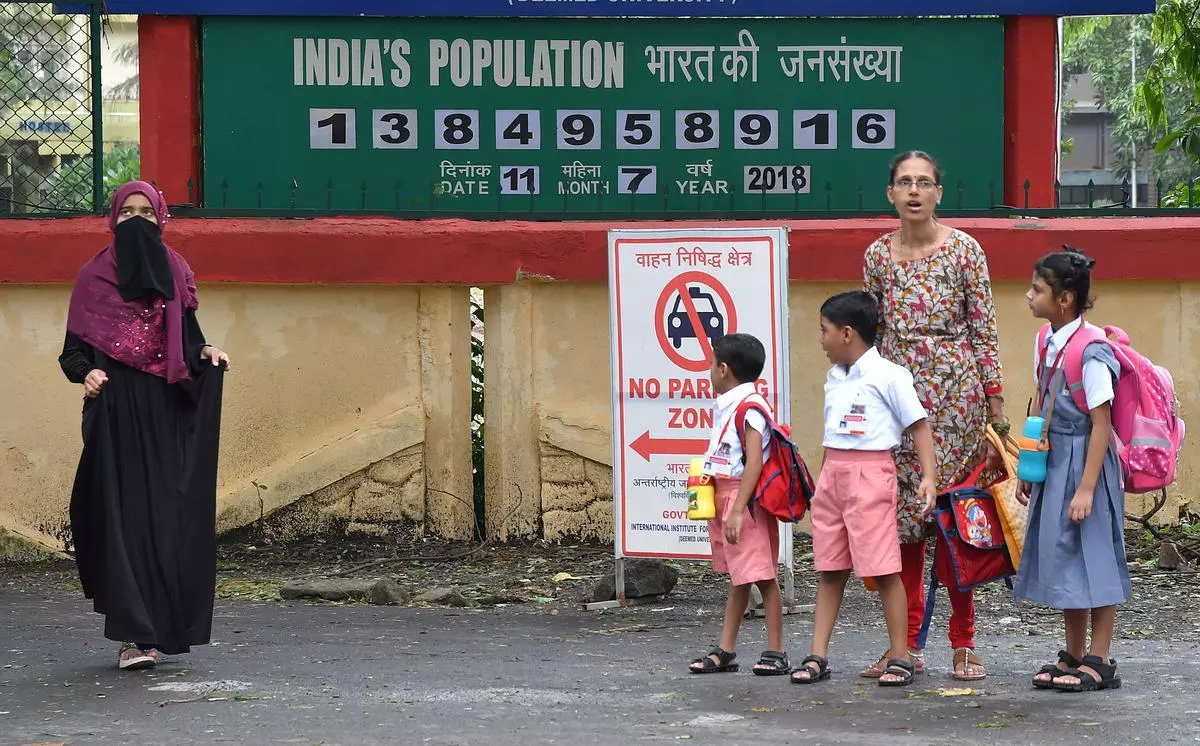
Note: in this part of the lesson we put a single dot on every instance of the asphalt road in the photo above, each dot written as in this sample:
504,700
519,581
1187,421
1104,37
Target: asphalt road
298,673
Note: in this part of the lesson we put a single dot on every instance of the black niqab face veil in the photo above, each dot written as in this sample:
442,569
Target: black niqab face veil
143,269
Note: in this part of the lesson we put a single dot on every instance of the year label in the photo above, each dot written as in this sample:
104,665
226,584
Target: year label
777,180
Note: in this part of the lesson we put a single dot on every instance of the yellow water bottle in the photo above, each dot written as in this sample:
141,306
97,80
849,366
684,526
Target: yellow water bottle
702,495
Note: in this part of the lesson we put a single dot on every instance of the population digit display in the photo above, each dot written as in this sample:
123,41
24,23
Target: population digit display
446,116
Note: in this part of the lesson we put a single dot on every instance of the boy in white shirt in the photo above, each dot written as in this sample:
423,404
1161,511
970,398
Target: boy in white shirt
869,404
744,544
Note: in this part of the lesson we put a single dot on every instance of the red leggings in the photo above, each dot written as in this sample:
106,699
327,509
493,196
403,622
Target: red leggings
962,603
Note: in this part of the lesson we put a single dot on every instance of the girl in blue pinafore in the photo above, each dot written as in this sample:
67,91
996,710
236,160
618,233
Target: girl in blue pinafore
1074,556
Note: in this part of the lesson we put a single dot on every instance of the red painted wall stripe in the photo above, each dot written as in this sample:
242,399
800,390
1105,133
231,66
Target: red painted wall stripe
386,251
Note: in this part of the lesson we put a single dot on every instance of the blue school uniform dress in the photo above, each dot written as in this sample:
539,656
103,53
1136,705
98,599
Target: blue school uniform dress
1066,565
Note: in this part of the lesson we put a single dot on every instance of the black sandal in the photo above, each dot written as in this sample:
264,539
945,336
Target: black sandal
1087,682
1065,658
772,663
820,674
897,667
708,665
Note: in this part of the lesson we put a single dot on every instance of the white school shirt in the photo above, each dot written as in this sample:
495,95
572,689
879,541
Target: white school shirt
869,406
1097,378
724,455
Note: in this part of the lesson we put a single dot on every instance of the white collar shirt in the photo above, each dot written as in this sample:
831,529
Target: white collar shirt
724,456
869,405
1097,378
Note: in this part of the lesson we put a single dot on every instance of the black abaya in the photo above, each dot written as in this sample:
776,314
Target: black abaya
143,508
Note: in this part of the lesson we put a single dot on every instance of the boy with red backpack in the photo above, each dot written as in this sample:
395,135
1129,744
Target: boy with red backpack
744,536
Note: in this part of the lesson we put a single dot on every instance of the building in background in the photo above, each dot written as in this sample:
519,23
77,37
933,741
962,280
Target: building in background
119,75
1093,155
46,117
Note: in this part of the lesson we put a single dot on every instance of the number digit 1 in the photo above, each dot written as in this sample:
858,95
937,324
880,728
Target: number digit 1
820,125
338,123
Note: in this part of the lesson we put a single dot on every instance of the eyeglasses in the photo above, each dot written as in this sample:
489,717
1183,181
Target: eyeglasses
923,185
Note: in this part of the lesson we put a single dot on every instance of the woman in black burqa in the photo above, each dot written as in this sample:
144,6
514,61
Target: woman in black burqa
143,509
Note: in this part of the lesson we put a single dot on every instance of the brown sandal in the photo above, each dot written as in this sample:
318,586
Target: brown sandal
878,668
132,658
964,657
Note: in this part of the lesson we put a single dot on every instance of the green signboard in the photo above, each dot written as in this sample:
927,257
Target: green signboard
504,116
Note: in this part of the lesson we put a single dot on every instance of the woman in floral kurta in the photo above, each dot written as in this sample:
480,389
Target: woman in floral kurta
938,320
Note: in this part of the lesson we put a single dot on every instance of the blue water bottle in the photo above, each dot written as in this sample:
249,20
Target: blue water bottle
1035,452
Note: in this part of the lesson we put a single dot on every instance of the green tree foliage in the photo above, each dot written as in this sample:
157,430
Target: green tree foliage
71,188
14,76
126,89
1104,46
45,62
1170,92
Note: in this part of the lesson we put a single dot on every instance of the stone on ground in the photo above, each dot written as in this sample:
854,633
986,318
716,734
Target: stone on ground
380,591
643,578
443,596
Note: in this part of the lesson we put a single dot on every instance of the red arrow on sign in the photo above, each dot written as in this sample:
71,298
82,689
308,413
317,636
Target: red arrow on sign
645,446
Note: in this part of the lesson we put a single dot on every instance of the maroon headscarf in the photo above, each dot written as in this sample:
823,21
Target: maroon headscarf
97,308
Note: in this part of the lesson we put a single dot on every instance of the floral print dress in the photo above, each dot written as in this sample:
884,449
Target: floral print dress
938,320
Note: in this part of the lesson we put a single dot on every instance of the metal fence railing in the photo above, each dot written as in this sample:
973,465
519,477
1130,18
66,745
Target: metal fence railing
385,196
50,110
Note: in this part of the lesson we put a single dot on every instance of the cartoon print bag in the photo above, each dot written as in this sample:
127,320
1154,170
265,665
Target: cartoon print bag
971,537
992,550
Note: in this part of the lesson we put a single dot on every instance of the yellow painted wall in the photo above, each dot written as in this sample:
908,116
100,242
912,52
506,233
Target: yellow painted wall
352,405
331,387
561,389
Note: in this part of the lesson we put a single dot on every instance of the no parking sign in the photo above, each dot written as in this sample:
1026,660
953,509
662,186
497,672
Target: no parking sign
672,295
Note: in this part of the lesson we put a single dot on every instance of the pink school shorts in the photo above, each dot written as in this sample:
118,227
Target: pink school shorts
854,514
755,556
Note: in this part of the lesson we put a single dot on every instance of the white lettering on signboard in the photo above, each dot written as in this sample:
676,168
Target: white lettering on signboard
350,62
458,180
474,63
576,63
537,63
869,62
696,62
672,294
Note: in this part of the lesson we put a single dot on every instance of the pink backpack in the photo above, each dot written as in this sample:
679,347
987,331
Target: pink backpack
1145,411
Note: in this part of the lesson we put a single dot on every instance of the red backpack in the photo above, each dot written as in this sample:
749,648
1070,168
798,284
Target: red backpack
785,485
